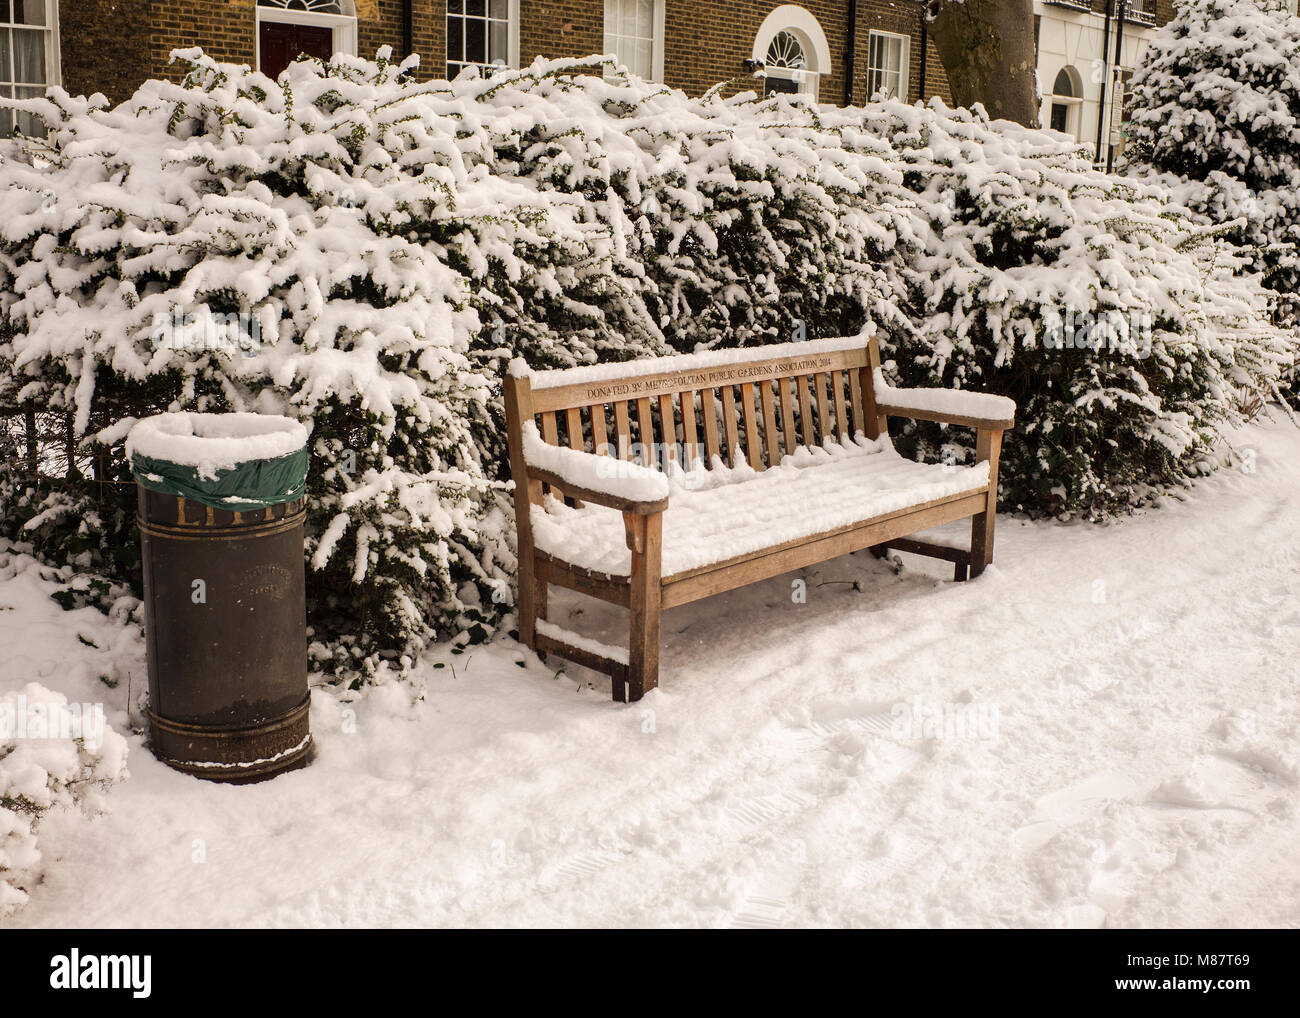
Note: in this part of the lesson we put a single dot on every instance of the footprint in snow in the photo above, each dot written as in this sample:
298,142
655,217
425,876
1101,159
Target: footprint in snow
1056,811
767,898
577,867
1219,782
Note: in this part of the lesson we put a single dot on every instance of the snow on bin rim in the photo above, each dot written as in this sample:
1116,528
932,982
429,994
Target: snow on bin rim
214,442
588,373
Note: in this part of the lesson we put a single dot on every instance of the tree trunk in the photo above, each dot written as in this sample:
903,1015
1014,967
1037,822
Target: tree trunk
988,49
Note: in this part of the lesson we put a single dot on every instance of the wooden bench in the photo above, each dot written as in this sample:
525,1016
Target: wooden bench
783,435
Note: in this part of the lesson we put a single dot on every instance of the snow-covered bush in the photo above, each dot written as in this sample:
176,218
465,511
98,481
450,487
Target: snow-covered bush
704,222
364,251
230,243
762,221
53,756
1217,103
1120,326
973,246
701,222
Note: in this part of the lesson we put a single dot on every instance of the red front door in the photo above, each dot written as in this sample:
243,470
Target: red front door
281,43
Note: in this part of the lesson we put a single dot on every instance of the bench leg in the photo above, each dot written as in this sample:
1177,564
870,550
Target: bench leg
541,589
532,598
981,542
988,446
643,652
527,602
644,534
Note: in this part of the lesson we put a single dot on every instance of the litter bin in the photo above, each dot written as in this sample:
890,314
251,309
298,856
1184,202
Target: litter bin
221,502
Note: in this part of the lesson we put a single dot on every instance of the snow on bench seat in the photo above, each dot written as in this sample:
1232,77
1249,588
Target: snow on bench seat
718,514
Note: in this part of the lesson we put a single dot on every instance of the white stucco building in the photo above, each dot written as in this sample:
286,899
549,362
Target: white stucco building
1086,58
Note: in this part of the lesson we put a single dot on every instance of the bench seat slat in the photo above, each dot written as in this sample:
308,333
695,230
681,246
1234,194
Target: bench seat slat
667,428
729,423
769,423
821,386
623,429
805,411
690,437
645,424
752,446
784,390
709,408
855,394
599,429
841,417
573,424
550,434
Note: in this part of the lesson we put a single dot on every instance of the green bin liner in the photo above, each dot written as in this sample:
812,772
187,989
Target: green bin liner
241,486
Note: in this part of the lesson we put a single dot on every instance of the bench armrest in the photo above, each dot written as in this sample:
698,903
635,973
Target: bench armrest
944,406
606,481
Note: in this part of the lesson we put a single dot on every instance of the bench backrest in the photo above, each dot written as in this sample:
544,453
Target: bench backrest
753,405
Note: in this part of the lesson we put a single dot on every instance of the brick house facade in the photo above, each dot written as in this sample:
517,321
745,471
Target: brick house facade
111,46
839,50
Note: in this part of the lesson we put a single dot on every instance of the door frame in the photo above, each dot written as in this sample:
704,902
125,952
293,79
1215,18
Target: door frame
343,26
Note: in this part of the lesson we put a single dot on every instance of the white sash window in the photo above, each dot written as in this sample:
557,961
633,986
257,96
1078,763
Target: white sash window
29,57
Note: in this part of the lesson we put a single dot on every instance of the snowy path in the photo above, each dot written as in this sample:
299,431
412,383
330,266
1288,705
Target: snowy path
1141,769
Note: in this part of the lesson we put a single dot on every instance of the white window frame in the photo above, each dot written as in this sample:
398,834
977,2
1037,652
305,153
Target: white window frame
905,62
53,70
656,41
1073,103
512,40
804,26
1073,113
344,26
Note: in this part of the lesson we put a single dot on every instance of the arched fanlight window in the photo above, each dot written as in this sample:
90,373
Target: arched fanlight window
791,49
786,51
1064,85
314,6
287,29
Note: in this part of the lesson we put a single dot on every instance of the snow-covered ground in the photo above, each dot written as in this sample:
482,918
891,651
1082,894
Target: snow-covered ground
1131,757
